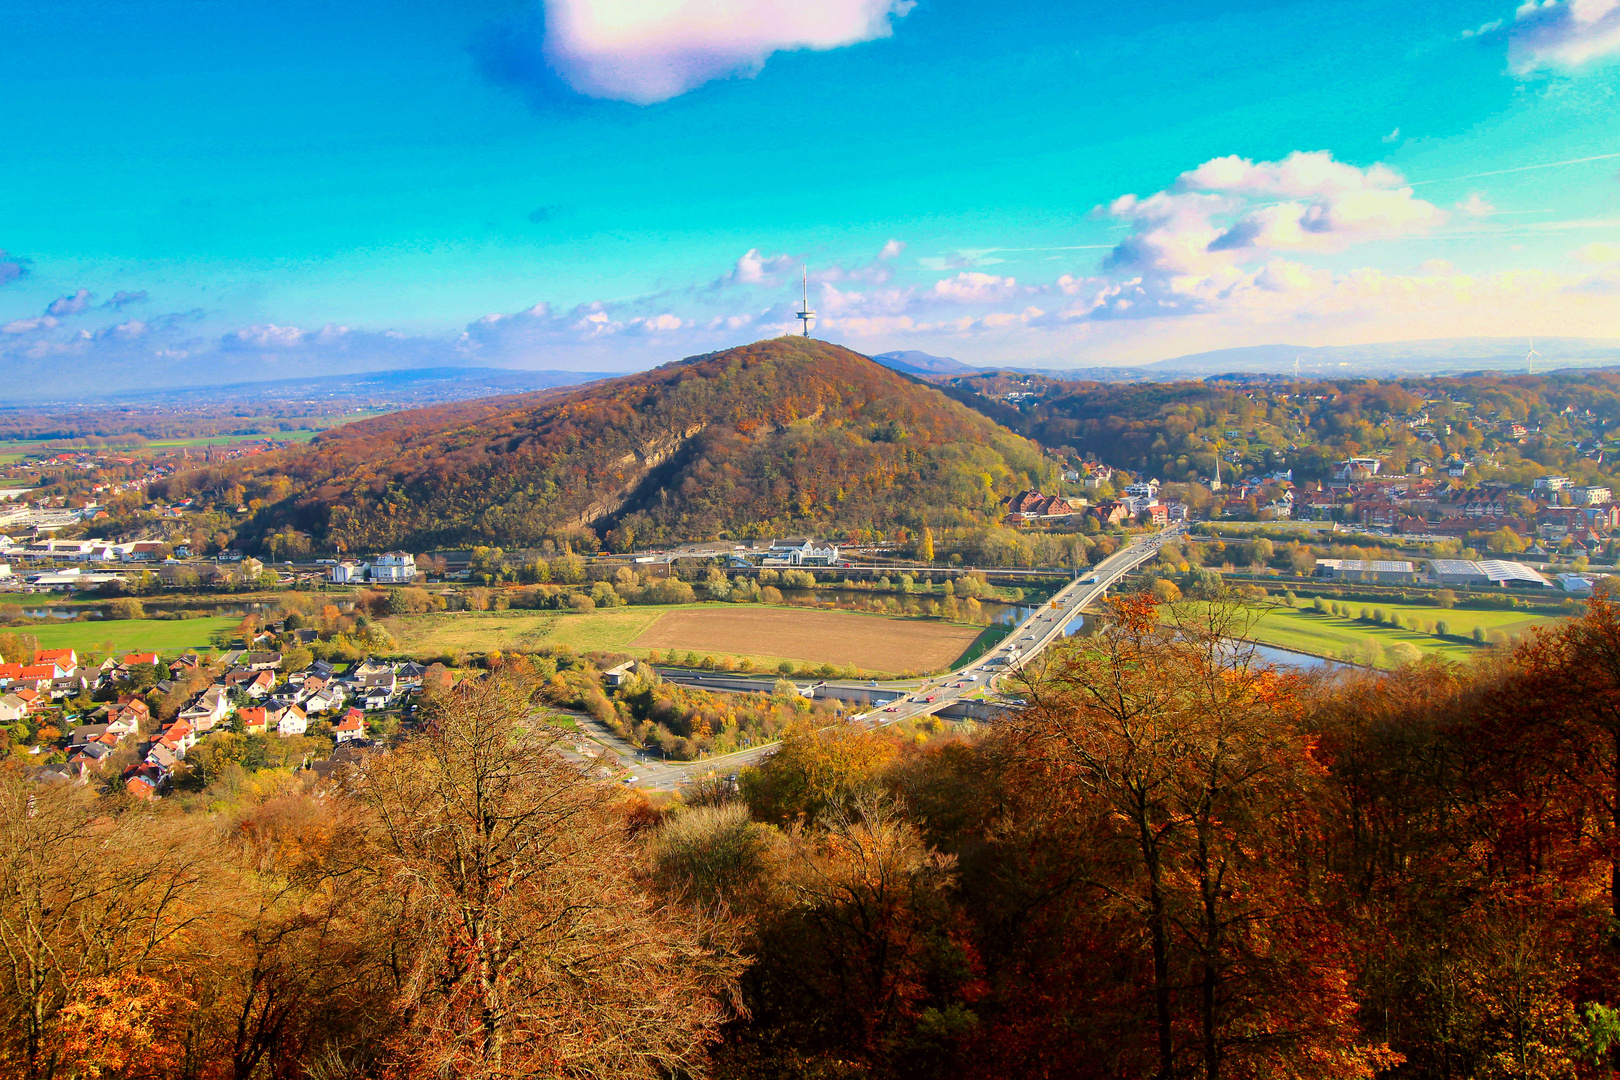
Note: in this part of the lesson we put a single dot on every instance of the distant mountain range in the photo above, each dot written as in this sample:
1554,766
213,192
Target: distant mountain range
1436,356
913,362
1389,359
418,386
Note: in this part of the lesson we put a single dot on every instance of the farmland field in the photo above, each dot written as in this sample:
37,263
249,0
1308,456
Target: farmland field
871,642
1341,638
167,636
480,631
767,635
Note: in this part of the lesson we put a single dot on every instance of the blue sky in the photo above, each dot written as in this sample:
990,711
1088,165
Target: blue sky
255,189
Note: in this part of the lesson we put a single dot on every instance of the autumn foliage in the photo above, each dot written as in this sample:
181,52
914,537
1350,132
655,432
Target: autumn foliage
778,436
1176,862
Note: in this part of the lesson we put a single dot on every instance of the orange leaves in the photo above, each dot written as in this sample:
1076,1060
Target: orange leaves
129,1026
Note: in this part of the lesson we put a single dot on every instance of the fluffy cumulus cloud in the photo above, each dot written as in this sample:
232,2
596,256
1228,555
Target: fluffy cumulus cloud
1563,34
646,51
1222,229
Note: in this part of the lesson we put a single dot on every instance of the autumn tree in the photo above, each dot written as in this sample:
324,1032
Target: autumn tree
1189,755
532,948
93,906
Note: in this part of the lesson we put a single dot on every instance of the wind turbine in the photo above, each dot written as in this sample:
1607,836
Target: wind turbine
806,316
1530,357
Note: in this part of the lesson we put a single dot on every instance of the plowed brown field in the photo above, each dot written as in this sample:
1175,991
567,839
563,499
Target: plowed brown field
871,642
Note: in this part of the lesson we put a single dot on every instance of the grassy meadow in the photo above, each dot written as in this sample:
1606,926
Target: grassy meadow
1303,630
166,636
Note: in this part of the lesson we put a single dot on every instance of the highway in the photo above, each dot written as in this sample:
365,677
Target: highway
910,699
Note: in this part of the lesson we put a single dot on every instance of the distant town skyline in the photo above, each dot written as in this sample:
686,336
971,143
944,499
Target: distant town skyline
258,190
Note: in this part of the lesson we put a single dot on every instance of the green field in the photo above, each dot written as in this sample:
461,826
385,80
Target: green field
130,635
1303,630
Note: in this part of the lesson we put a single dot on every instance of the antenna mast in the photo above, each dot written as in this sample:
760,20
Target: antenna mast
806,316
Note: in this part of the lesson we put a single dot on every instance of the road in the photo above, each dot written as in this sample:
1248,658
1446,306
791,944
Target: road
912,699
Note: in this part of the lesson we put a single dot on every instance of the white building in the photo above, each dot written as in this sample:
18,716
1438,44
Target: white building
1591,496
292,722
345,573
1144,489
1350,467
395,567
800,551
1551,483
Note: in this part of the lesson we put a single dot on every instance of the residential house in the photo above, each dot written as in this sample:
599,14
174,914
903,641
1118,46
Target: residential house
146,781
347,573
127,714
351,727
185,664
1110,512
255,684
66,661
178,737
292,722
136,658
255,720
12,708
210,707
1030,505
90,755
376,691
261,661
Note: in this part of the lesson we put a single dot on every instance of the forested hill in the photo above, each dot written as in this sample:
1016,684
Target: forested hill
1513,427
787,435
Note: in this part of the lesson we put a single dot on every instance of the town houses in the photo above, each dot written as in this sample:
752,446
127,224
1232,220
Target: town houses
241,693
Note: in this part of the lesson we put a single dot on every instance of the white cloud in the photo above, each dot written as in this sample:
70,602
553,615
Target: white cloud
1563,34
1476,206
755,269
891,250
972,287
646,51
1194,245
